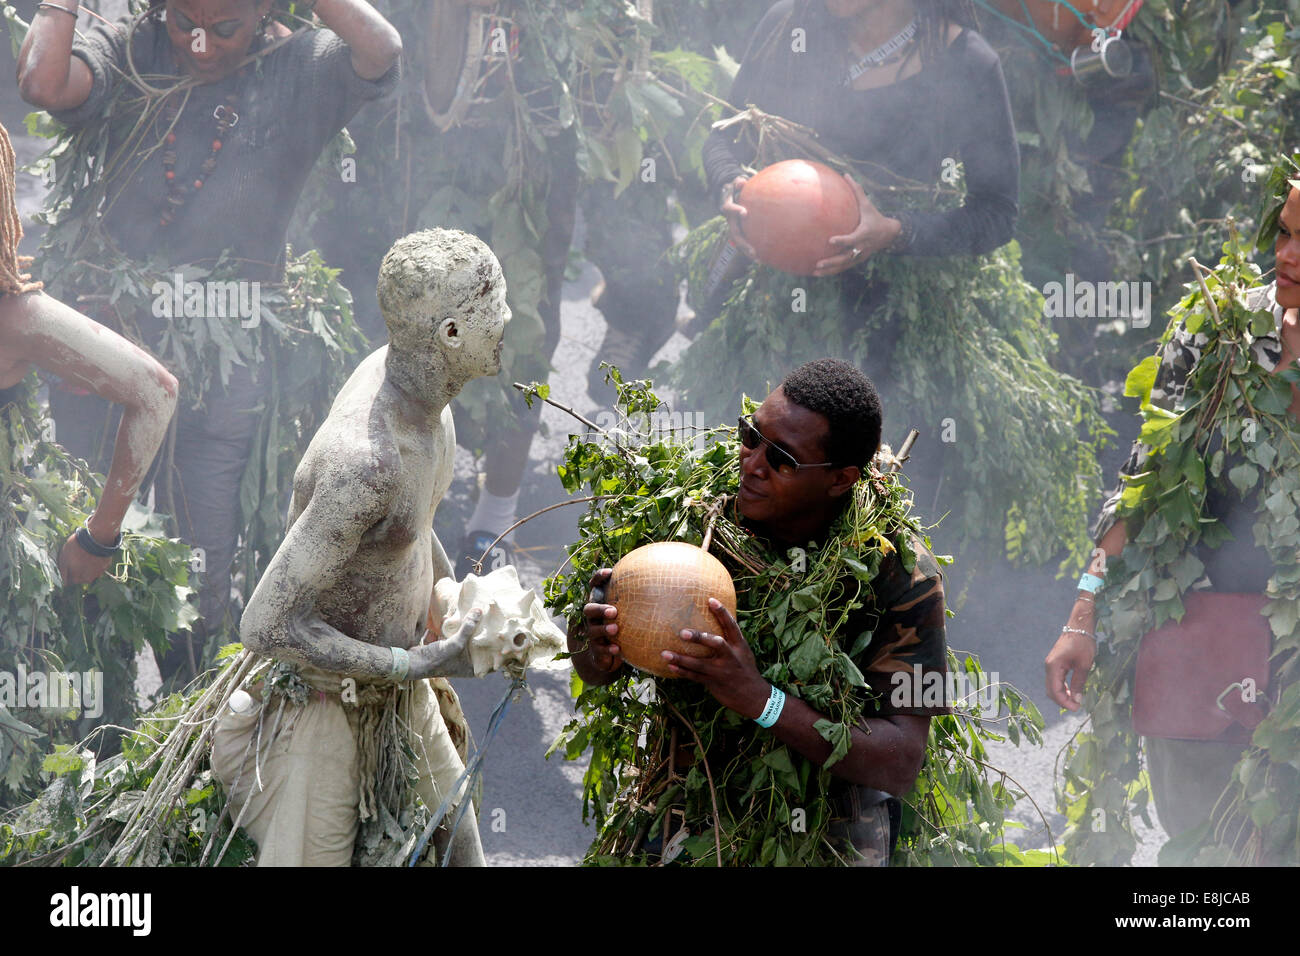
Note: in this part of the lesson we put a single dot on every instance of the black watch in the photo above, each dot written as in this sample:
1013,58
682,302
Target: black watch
93,547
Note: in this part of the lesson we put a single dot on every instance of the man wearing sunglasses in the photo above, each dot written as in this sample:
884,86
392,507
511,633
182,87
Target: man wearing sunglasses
801,453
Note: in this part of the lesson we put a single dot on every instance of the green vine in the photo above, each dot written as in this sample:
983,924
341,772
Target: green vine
142,600
80,816
303,345
1233,411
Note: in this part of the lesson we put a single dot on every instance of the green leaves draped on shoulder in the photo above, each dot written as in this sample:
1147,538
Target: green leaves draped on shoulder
1215,415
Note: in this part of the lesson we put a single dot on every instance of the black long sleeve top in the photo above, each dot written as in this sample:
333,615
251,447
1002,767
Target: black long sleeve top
954,108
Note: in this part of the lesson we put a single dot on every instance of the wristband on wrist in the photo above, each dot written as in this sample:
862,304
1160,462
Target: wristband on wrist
401,664
772,712
1090,583
1078,630
93,547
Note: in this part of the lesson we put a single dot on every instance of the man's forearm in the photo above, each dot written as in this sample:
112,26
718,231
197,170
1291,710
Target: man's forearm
886,756
311,641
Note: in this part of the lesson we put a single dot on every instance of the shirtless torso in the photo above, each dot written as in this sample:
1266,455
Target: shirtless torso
382,593
354,575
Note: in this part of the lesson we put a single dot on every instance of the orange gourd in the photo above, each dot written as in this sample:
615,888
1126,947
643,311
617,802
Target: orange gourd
792,209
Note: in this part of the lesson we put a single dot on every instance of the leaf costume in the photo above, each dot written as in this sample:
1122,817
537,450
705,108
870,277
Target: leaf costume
1210,498
808,617
256,380
44,495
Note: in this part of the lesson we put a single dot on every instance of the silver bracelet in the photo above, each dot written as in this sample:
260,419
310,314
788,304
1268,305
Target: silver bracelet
401,664
1077,630
56,6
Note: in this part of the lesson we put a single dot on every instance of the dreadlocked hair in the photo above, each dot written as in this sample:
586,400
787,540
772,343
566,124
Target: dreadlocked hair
12,280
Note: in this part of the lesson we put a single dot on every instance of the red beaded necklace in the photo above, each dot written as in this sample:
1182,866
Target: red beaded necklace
226,117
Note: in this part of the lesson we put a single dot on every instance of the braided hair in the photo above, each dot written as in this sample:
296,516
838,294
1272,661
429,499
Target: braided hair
12,280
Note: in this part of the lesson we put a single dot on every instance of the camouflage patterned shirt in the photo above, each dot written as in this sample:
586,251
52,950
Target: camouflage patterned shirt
906,660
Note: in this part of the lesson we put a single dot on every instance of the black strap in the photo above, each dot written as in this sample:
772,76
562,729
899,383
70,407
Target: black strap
94,548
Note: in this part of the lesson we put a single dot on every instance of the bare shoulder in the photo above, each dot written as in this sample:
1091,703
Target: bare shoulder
353,475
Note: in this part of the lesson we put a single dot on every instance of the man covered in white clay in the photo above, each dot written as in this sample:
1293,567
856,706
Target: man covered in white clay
318,747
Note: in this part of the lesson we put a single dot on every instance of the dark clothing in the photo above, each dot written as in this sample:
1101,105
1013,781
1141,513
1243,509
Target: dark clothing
904,613
628,238
954,108
304,93
1188,777
907,625
202,491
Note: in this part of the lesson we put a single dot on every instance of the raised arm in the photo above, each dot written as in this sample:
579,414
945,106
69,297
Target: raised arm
49,76
375,43
39,330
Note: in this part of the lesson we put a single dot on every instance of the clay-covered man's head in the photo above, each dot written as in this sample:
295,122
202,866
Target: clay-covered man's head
443,298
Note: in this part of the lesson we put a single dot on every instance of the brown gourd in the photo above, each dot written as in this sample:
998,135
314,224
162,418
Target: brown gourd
659,589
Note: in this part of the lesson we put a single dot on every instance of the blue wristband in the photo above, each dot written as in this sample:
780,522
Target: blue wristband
772,712
1090,583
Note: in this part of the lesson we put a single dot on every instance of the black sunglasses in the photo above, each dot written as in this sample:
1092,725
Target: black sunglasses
778,458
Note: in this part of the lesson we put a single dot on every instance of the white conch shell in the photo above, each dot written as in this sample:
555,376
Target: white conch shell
516,631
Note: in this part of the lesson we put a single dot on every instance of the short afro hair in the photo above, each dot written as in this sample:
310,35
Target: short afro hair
847,400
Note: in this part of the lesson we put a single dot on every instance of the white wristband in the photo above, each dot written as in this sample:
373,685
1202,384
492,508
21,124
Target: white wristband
401,664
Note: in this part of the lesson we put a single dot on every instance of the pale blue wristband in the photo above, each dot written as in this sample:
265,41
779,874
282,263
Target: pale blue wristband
401,664
772,712
1090,583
